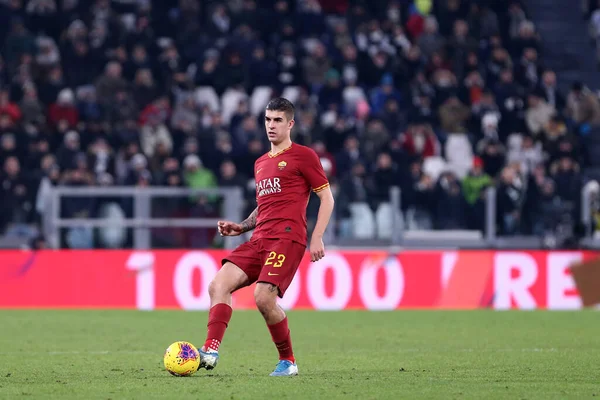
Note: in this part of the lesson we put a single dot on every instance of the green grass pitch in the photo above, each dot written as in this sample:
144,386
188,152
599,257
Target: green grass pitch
345,355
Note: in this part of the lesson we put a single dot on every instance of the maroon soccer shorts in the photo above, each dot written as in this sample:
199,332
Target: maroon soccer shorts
273,261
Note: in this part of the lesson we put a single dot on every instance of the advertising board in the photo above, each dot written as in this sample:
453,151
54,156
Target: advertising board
372,280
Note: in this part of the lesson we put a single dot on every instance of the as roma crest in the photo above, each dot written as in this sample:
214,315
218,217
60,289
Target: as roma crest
282,164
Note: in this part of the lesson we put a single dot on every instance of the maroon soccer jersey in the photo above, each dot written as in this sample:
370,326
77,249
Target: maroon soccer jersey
283,184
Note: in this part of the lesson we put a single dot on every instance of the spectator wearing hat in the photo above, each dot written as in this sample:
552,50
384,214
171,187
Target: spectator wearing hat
475,181
384,92
195,175
64,110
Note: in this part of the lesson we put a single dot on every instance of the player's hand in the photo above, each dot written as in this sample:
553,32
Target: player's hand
228,228
317,249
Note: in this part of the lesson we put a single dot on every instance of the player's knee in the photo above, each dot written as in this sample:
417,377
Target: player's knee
264,303
265,297
228,279
217,288
213,288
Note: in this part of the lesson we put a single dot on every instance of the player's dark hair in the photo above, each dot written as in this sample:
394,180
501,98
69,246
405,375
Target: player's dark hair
281,104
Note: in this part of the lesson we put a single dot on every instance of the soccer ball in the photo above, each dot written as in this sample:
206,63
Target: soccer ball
182,359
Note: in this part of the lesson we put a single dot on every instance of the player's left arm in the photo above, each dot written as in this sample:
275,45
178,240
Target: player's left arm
317,247
313,172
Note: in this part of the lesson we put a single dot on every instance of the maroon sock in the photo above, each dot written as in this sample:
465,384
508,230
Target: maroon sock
281,337
218,319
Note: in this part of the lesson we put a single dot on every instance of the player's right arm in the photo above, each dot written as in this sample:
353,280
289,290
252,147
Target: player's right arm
228,228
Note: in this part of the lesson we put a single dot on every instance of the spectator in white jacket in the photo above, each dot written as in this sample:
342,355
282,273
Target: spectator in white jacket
538,113
152,133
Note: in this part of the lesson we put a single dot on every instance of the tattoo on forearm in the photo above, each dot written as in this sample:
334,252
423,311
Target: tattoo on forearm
250,223
273,288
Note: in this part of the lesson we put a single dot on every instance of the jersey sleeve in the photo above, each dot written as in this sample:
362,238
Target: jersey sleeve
313,172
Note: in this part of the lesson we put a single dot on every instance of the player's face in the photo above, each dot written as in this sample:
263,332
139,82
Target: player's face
277,125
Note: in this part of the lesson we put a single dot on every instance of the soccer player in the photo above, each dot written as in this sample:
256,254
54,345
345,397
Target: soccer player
284,178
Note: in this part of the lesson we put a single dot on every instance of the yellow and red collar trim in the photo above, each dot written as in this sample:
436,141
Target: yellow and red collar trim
279,152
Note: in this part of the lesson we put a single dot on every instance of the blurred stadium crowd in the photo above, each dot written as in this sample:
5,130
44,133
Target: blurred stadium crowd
442,98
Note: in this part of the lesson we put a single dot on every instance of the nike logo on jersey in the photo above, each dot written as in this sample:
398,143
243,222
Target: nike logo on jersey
272,274
258,170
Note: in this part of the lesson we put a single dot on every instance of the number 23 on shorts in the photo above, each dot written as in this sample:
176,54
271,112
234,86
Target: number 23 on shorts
276,260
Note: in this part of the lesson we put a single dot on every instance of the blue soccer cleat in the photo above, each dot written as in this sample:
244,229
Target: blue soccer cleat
285,368
208,359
